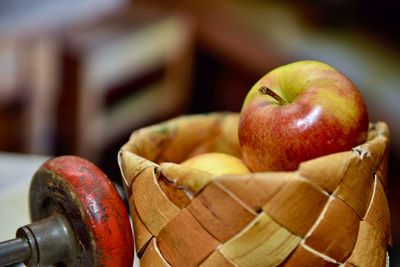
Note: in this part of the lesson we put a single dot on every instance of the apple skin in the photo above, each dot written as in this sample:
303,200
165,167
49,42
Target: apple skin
217,164
325,113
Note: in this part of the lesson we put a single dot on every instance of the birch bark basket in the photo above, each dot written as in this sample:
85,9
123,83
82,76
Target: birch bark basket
331,211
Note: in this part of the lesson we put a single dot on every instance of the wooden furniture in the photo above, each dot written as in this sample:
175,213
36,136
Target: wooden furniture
119,75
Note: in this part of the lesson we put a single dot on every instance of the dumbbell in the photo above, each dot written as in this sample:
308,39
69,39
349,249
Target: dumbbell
78,218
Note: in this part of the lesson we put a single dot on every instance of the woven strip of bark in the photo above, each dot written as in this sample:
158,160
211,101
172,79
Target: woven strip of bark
333,210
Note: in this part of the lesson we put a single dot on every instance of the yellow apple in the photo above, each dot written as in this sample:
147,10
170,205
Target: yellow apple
217,164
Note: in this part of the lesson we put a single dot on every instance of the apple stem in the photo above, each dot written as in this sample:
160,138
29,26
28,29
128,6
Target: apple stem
264,90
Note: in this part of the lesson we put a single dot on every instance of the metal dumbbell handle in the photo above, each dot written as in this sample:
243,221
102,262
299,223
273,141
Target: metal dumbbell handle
14,250
43,242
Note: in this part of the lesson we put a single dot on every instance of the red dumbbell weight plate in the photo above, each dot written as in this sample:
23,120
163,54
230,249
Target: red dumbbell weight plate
78,189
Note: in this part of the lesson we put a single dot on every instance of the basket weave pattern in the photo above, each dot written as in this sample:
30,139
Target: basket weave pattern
332,211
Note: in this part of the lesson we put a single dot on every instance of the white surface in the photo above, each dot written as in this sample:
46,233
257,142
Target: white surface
16,171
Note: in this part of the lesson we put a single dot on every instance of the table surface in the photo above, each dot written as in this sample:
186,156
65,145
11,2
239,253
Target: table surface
16,171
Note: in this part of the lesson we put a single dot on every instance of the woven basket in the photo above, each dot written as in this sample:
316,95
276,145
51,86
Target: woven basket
333,210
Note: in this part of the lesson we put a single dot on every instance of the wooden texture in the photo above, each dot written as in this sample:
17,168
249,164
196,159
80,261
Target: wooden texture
327,176
142,235
227,141
152,256
336,232
263,243
181,176
370,249
255,189
220,213
189,135
303,256
184,242
152,205
132,165
217,258
381,172
332,211
297,201
356,186
378,214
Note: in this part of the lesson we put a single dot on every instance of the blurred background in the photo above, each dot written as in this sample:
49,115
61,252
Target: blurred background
77,77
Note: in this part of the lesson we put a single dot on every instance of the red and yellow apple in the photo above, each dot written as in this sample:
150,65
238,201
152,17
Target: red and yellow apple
216,163
298,112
